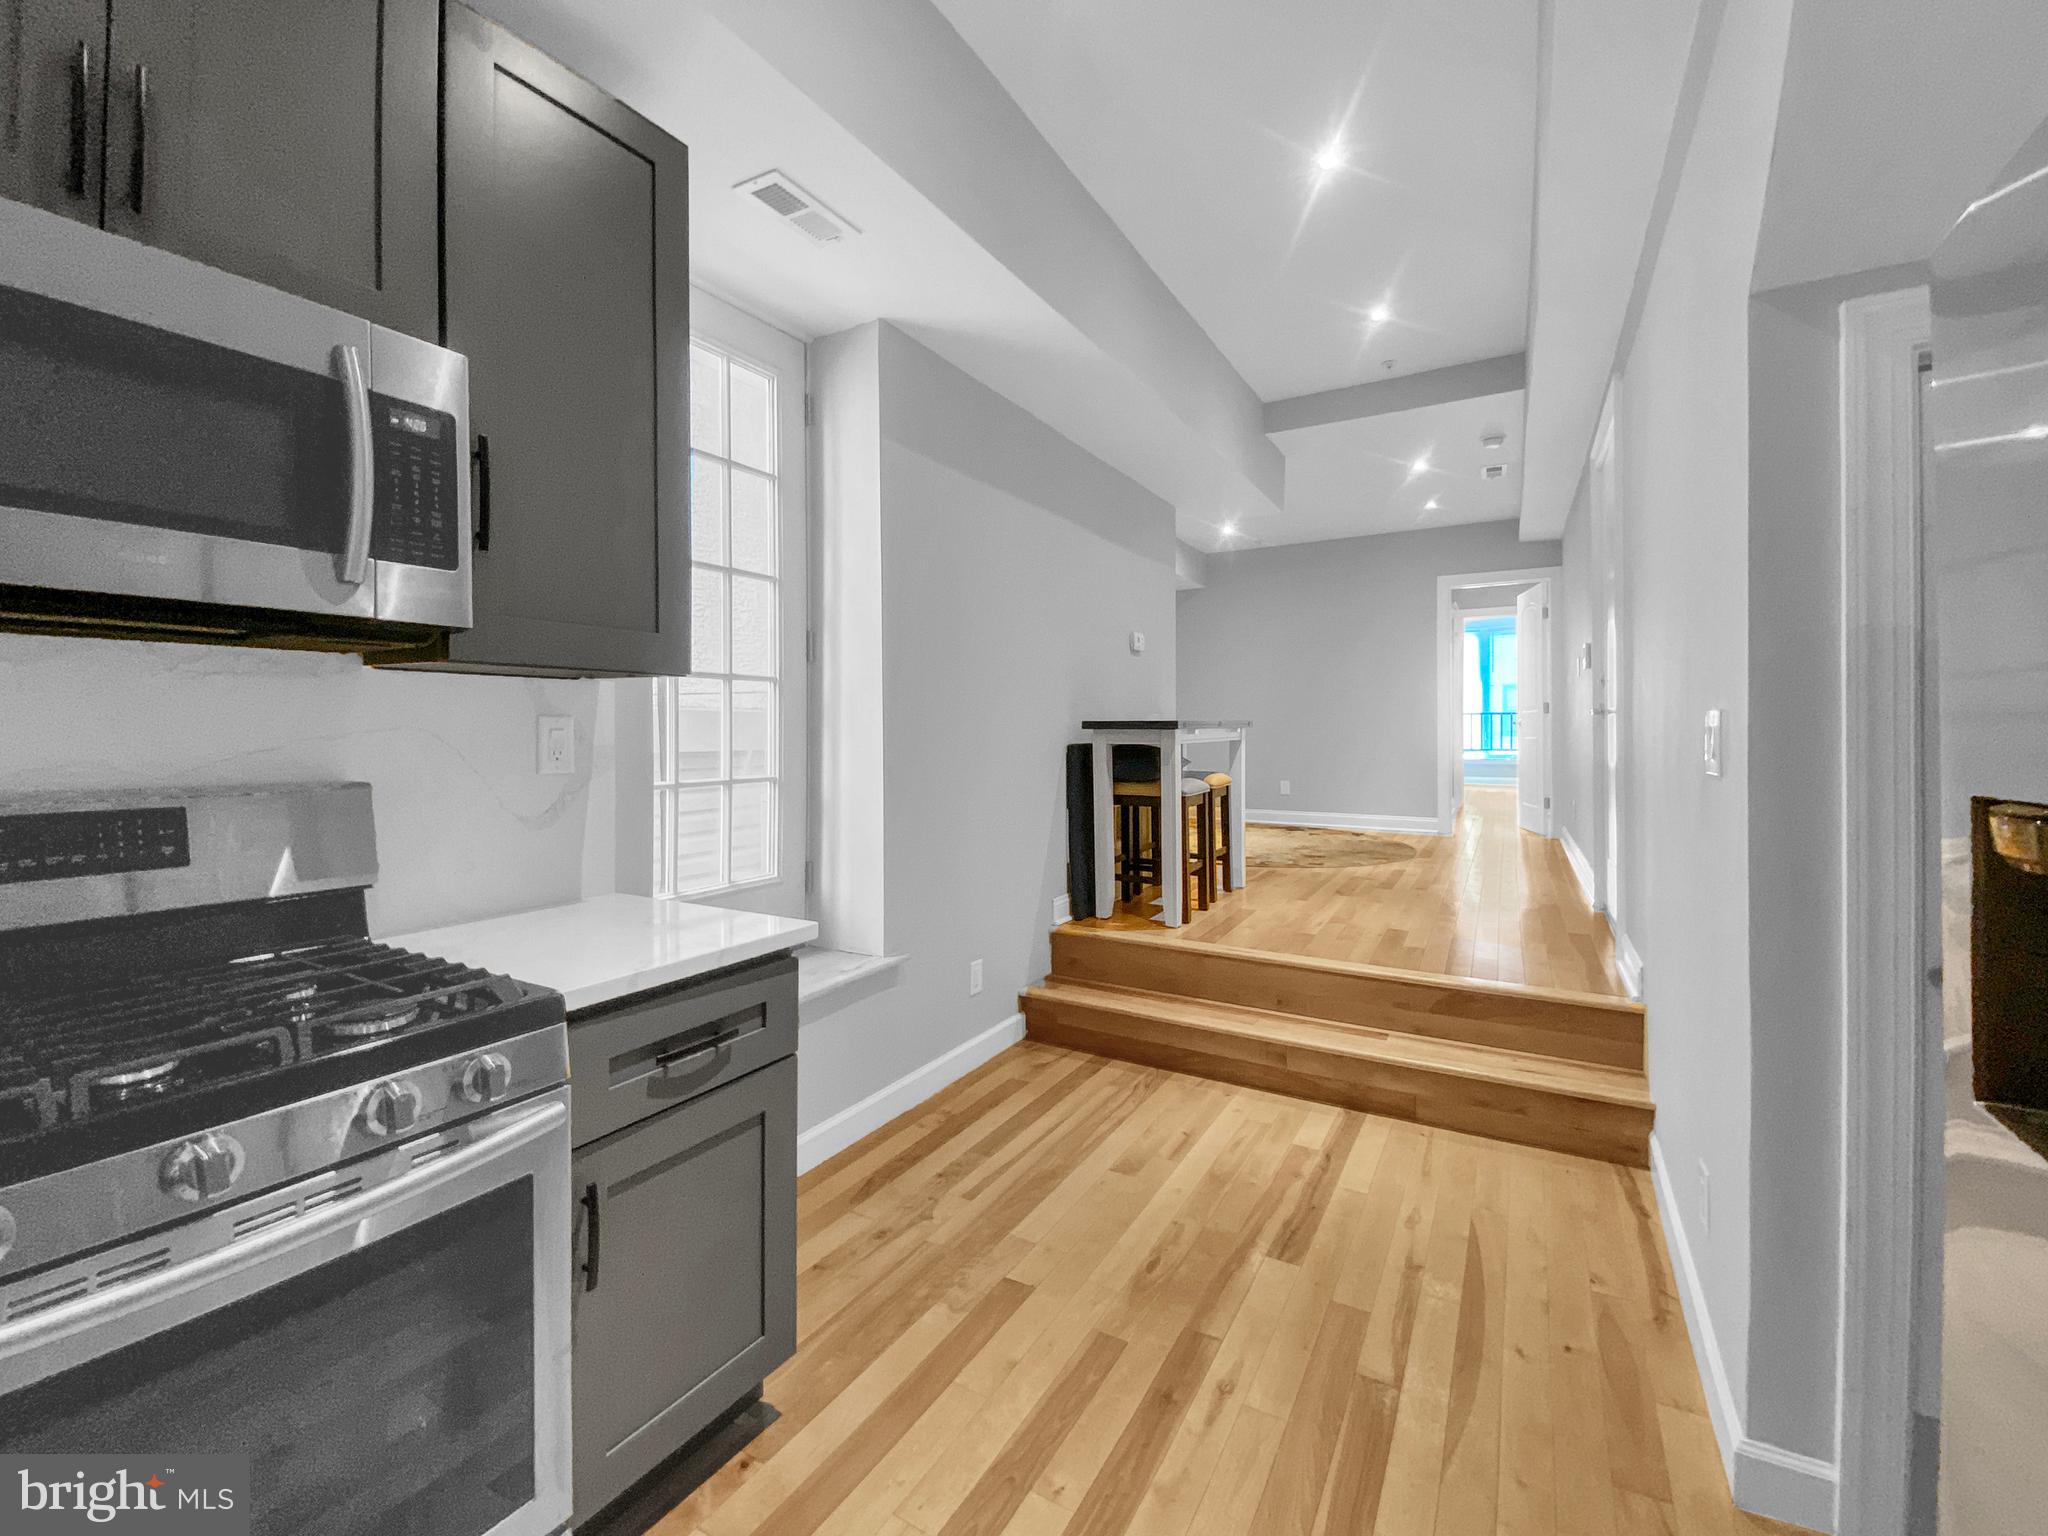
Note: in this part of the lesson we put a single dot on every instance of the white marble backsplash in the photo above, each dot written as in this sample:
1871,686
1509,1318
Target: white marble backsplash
466,825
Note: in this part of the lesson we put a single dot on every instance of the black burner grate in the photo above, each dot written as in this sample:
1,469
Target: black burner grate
74,1046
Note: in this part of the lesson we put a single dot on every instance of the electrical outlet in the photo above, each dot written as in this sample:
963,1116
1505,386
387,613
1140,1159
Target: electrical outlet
556,739
1706,1199
974,978
1137,642
1286,786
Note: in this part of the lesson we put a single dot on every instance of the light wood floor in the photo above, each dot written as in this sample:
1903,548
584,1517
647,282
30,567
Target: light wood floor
1076,1297
1490,901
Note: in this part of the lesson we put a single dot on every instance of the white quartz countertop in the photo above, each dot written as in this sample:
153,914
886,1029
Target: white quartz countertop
607,947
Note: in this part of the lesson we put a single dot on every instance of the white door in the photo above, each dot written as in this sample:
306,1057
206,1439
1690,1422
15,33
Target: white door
1607,579
1457,712
1532,708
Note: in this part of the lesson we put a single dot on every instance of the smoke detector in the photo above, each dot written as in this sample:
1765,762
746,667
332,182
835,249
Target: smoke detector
1495,471
791,203
1493,442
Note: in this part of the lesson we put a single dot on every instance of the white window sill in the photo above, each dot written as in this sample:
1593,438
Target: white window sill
821,972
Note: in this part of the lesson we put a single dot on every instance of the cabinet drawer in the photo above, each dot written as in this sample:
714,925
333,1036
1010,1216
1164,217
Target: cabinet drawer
685,1278
636,1058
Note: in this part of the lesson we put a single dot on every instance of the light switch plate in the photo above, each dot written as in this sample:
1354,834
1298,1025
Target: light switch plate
556,741
1286,786
1137,642
974,978
1710,744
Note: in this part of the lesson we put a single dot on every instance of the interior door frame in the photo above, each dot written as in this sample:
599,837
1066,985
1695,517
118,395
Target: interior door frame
1449,755
1889,1331
1546,758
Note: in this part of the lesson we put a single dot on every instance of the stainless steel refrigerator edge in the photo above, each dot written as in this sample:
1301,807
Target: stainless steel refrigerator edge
1987,573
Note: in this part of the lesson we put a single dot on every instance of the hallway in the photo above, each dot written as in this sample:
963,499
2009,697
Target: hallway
1490,902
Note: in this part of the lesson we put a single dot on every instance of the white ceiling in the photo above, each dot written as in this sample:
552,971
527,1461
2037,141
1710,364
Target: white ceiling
1193,123
1358,477
1896,114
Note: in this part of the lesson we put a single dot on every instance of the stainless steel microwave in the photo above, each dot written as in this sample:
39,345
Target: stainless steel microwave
188,452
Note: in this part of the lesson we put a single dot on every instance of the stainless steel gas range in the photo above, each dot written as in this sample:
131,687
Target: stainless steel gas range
270,1189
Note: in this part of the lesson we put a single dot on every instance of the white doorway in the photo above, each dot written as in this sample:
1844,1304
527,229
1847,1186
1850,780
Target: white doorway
1532,708
1506,711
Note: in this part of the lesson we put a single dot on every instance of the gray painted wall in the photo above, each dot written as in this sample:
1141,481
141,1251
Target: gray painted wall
1683,453
1013,568
1329,649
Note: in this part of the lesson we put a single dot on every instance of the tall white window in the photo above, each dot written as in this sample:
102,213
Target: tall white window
718,754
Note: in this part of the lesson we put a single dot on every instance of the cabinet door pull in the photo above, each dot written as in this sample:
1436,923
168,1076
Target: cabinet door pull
481,457
681,1061
138,151
81,116
593,1214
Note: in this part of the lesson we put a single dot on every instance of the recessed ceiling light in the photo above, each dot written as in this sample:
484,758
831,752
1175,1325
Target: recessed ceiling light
1379,314
1230,529
1330,157
1431,505
1420,466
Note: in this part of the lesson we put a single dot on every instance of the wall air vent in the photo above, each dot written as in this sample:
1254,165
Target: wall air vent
791,203
1495,471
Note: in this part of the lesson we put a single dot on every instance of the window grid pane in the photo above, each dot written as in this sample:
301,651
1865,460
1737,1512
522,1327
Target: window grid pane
717,762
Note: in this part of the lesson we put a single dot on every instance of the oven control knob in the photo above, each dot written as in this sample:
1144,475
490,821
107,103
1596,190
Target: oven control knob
390,1108
485,1078
199,1169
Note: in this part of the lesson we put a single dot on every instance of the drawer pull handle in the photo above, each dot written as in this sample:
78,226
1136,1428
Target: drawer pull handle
682,1061
593,1219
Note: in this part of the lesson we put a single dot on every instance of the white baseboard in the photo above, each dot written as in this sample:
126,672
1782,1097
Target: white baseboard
1630,962
1062,909
1582,867
1346,821
1764,1479
840,1131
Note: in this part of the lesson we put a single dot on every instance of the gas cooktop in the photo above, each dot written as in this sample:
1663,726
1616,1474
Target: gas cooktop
122,1028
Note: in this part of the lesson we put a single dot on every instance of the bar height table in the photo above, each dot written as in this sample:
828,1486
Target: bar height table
1169,737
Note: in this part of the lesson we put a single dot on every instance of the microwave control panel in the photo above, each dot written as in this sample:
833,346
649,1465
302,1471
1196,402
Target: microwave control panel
418,521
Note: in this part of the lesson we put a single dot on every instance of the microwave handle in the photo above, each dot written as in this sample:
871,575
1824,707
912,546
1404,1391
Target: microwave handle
353,563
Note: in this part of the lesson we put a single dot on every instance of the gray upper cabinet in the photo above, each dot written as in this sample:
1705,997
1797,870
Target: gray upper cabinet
52,63
290,141
565,227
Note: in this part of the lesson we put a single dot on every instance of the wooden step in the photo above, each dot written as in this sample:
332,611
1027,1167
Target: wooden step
1576,1026
1567,1106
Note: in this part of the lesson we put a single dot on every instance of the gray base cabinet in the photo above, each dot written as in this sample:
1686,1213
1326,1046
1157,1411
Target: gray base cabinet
685,1248
566,220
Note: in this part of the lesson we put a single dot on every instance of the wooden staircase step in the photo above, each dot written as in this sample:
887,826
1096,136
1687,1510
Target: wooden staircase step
1580,1107
1577,1026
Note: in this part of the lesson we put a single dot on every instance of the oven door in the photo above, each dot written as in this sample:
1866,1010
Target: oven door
391,1352
171,431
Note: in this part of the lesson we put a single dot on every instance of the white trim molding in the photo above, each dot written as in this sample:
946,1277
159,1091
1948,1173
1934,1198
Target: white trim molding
834,1135
1582,867
1447,680
1762,1478
1062,909
1345,821
1625,957
1883,947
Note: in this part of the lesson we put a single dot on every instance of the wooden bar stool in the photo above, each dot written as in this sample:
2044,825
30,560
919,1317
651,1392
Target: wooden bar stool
1219,786
1137,806
1198,839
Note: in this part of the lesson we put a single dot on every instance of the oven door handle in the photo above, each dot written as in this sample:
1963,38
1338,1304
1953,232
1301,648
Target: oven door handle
352,564
518,1129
